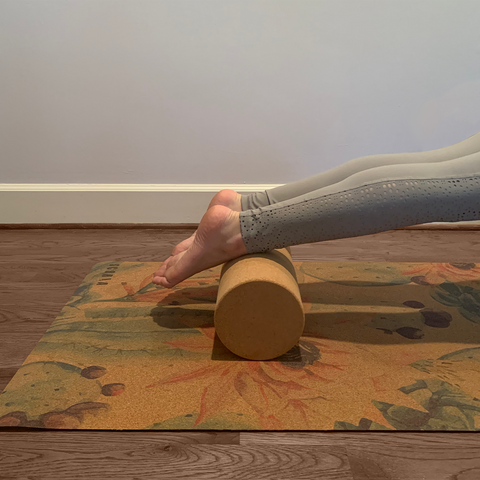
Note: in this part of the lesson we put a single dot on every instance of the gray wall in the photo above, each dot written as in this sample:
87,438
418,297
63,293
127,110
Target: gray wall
229,91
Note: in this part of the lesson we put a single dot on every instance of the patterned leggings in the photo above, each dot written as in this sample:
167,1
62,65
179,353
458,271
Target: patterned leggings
367,195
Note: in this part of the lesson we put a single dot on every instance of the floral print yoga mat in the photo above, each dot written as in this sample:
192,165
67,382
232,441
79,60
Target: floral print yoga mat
386,346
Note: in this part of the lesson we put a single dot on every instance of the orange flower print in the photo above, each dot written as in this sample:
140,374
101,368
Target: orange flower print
436,273
269,387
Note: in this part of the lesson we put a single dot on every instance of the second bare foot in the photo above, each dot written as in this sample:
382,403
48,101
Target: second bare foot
228,198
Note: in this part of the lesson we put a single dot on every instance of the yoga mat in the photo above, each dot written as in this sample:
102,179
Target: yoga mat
386,346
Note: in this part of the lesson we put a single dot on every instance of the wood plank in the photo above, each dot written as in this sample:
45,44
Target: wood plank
15,348
391,455
58,246
374,440
28,319
163,455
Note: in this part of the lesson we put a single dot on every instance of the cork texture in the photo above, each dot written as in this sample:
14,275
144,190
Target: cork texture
386,346
259,311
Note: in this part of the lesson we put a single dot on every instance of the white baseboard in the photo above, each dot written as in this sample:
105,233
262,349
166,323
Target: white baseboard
23,203
110,203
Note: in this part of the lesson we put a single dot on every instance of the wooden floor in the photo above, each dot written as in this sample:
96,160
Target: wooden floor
40,270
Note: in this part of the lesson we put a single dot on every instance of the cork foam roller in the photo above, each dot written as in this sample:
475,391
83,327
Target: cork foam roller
259,311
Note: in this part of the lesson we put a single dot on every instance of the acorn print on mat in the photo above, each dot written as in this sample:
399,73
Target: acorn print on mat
55,395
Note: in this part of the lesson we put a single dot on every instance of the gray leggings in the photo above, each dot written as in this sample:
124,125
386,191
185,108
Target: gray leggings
367,195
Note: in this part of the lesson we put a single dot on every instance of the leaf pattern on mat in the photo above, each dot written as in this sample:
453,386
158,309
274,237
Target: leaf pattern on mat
447,408
464,297
386,346
447,405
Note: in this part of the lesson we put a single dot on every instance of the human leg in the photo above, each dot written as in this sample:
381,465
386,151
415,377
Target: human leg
370,201
294,189
238,202
367,202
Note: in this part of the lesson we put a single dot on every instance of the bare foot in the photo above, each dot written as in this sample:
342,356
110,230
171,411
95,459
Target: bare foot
217,240
228,198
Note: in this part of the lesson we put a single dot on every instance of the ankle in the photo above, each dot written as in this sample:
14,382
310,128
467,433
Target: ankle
234,243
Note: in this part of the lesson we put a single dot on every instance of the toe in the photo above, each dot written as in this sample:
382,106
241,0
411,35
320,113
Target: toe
162,282
168,269
161,271
175,271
